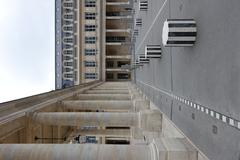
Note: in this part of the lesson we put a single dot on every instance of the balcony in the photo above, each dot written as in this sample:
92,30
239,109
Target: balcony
128,57
117,40
118,15
118,30
117,70
118,2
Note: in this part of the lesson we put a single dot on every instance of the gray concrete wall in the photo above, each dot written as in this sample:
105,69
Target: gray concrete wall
205,75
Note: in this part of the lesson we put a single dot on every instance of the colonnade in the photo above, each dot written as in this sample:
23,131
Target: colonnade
114,110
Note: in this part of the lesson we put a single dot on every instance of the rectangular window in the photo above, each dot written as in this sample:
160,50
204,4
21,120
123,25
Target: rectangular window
90,75
90,52
90,28
90,40
115,39
90,64
123,76
90,3
109,76
90,15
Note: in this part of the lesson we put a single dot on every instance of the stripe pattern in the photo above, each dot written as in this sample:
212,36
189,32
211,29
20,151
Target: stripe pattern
153,51
179,33
143,59
138,22
143,5
135,32
230,121
137,64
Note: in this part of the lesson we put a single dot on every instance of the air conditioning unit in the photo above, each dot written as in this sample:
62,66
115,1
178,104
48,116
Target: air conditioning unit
153,51
143,5
179,33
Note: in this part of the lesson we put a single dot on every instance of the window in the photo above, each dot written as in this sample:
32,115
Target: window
122,63
90,28
123,76
68,28
67,69
90,75
68,75
68,52
90,40
68,63
68,4
110,76
68,16
68,40
90,52
90,63
115,39
90,3
90,15
110,64
67,57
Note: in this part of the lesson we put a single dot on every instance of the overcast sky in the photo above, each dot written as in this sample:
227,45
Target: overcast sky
26,48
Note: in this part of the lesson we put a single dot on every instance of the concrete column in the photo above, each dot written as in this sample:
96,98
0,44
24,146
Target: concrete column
72,152
139,104
135,94
98,105
103,97
87,118
111,88
29,128
174,149
106,132
107,91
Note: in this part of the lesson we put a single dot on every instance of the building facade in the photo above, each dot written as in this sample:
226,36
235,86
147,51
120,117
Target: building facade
92,41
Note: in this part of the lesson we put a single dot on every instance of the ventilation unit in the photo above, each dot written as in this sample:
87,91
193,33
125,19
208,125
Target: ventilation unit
143,5
179,32
138,22
153,51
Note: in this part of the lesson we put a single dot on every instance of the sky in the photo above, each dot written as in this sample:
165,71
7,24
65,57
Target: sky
26,48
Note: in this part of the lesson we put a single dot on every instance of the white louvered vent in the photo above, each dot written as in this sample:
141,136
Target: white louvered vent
179,32
153,51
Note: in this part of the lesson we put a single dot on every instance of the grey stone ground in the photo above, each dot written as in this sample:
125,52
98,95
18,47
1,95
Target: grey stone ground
207,73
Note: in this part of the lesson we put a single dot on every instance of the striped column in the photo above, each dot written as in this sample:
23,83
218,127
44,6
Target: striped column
135,32
143,5
179,33
143,59
137,64
138,22
153,51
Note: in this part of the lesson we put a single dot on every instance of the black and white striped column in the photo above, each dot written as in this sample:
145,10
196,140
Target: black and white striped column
143,5
179,32
143,59
138,22
137,64
135,32
153,51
